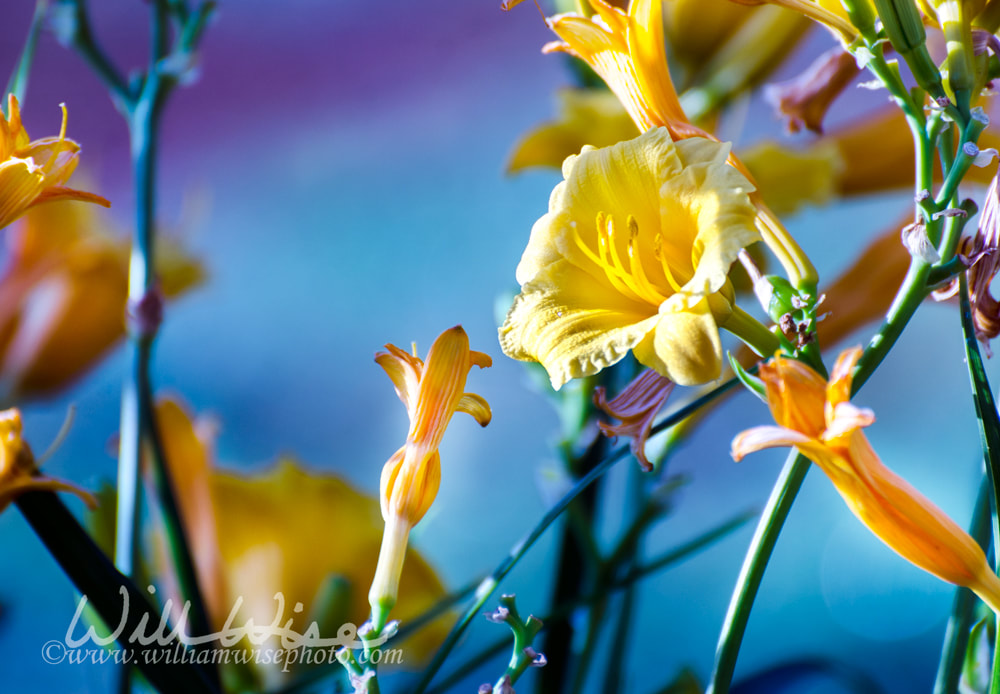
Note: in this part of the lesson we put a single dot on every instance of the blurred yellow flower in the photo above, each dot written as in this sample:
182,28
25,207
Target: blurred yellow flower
432,392
633,255
63,294
32,173
585,117
284,530
817,418
18,473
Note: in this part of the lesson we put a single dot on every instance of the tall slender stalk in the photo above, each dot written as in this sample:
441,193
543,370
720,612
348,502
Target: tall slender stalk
141,104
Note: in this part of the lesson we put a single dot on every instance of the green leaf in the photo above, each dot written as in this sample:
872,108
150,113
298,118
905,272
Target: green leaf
989,429
976,668
18,82
752,383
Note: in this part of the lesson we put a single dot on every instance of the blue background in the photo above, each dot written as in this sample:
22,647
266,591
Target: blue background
351,157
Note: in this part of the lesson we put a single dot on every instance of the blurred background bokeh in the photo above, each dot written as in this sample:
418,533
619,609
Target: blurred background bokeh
338,168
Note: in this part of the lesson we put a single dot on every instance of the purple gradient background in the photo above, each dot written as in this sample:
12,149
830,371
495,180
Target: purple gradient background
352,156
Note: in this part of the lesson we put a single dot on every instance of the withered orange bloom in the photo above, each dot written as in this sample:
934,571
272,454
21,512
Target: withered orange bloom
33,172
817,418
18,472
432,392
636,406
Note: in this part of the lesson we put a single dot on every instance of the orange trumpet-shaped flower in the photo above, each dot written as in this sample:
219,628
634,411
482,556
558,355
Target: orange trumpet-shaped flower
432,392
628,52
18,473
817,418
33,172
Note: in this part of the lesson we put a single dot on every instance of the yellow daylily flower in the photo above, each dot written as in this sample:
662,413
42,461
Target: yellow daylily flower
289,530
432,392
585,117
817,418
633,255
627,51
18,472
33,172
63,294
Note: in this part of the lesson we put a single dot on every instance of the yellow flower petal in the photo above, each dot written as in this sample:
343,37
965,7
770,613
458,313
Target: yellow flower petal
572,325
32,173
63,295
685,345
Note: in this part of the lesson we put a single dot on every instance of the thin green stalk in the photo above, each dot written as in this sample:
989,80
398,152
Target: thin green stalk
141,104
105,589
492,582
18,82
912,292
956,637
765,536
989,430
81,39
666,560
577,557
614,674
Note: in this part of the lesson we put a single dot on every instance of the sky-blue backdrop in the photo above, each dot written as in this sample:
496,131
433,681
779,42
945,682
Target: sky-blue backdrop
351,157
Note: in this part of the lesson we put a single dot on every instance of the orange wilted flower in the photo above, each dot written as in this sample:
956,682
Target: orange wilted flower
636,406
33,172
817,418
432,392
18,473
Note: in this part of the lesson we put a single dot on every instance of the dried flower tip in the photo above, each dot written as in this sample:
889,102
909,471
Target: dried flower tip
537,659
636,406
917,242
804,100
498,616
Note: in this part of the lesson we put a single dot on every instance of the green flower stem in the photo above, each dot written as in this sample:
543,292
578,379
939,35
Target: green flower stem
666,560
765,536
18,82
577,557
81,39
752,332
141,104
489,585
956,635
989,429
103,586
